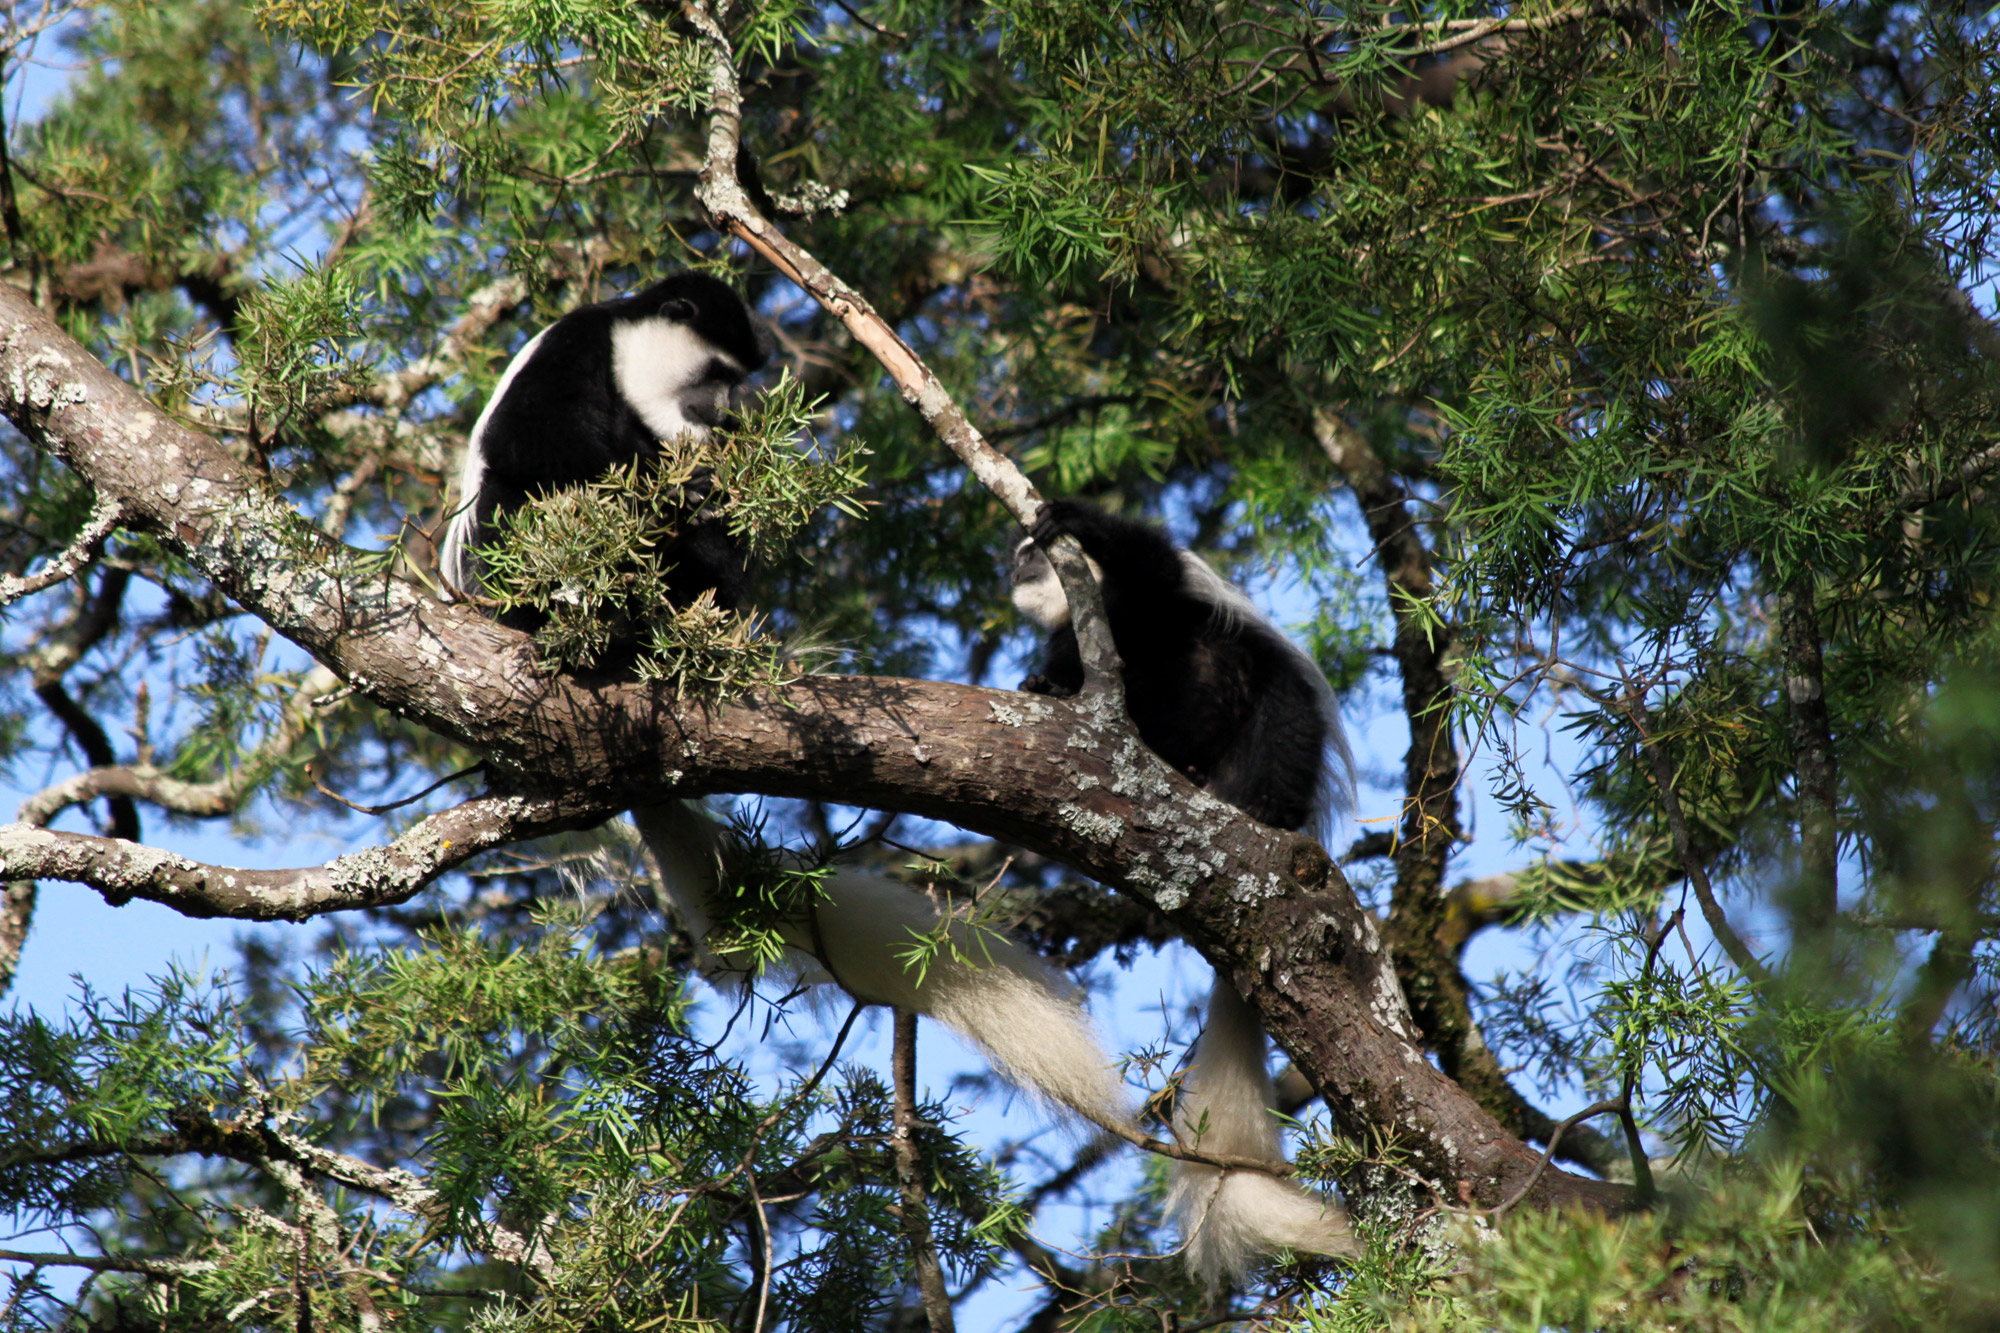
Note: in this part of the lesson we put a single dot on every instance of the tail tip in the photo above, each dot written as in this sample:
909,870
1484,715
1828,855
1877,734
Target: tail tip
1230,1220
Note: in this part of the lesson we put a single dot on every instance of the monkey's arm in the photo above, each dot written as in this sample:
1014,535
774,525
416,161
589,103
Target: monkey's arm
1062,667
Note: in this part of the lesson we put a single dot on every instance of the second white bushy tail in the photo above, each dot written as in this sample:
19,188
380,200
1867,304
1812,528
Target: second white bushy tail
1230,1218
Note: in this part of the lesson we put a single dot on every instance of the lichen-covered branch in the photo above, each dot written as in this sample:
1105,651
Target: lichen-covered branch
200,800
17,915
379,876
113,1263
483,309
105,516
299,1165
147,782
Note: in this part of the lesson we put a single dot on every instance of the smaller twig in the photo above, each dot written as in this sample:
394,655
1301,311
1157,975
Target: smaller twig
732,209
98,1263
340,505
1226,1161
1548,1155
1670,805
916,1215
1642,1168
1978,923
869,24
769,1256
713,1188
1369,846
392,806
1973,468
1076,407
375,877
106,513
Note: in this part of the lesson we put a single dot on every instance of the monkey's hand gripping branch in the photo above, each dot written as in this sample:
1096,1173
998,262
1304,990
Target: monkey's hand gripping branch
731,208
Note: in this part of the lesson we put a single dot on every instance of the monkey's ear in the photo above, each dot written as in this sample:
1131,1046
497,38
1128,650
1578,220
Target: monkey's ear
679,309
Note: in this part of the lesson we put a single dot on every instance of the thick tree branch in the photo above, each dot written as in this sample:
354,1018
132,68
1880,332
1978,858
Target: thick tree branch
1067,779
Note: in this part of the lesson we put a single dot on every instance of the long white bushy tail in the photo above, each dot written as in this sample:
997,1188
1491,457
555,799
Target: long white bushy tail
1229,1219
1026,1017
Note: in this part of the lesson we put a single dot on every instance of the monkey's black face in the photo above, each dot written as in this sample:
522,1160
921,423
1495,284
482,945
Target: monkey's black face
1038,593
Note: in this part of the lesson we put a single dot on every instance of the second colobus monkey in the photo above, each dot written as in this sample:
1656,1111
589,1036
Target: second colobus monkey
1217,691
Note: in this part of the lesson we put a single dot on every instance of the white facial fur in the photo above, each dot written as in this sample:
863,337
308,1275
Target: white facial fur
1038,593
659,365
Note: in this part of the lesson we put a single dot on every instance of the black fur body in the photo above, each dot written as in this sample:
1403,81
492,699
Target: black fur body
600,388
1212,687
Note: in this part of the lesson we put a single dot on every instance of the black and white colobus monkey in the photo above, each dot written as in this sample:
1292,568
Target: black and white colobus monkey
604,385
1217,691
600,387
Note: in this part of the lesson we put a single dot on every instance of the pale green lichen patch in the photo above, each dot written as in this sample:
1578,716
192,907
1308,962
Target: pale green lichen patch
1009,716
1251,888
1137,773
1088,824
1388,1006
932,399
1167,894
45,380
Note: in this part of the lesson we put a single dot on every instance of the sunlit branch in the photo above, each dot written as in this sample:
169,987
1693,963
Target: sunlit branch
105,516
379,876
